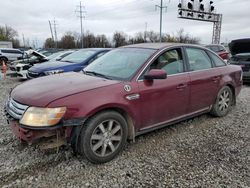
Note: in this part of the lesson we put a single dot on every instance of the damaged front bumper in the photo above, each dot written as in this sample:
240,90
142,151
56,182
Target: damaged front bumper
45,137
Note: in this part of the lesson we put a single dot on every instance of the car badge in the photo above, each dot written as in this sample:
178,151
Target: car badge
127,88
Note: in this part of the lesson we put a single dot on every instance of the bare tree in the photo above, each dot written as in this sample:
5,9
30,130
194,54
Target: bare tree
7,33
49,43
119,39
183,37
67,41
153,36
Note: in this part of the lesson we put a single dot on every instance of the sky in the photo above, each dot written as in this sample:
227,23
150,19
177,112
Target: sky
30,18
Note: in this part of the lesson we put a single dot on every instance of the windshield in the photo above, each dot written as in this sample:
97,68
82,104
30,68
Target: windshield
120,64
54,55
79,56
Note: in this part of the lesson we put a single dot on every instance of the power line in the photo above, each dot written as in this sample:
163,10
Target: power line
81,11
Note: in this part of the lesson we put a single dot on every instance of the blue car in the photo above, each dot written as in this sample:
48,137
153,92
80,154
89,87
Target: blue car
74,62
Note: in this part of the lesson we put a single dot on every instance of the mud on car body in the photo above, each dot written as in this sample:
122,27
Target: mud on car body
127,92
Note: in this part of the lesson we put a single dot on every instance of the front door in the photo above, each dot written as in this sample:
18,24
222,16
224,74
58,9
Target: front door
167,99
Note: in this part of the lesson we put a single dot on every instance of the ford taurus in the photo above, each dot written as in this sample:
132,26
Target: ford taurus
127,92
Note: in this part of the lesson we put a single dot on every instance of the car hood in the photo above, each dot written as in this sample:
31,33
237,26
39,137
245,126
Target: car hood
239,46
37,54
42,91
49,66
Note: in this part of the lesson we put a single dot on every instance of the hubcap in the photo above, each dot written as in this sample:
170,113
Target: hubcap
224,101
106,138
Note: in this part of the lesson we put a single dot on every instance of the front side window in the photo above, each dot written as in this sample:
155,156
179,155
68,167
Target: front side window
171,61
198,59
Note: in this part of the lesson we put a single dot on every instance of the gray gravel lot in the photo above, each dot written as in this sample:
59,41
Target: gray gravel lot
201,152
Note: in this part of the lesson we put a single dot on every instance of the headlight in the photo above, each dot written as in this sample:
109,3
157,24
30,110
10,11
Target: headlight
53,72
42,117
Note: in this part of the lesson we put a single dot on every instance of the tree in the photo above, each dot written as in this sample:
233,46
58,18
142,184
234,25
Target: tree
183,37
67,41
119,39
49,43
101,41
89,40
153,36
7,33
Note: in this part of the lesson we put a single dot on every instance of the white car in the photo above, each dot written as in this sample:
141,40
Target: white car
10,54
22,66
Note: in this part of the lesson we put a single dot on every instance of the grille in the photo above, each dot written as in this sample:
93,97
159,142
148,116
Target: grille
246,67
14,109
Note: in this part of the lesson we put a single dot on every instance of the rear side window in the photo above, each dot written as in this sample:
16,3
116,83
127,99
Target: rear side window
217,61
198,59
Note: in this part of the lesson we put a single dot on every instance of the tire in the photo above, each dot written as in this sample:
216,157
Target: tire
103,137
223,102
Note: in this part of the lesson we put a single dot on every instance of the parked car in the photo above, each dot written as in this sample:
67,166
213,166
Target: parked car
59,55
220,50
240,50
127,92
73,62
21,66
10,54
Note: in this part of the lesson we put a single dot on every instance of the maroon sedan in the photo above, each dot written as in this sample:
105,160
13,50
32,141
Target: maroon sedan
127,92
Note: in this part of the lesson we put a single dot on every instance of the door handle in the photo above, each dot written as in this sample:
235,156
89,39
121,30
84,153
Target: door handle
181,86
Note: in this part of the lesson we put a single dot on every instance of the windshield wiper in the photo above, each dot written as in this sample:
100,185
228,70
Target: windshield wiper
96,74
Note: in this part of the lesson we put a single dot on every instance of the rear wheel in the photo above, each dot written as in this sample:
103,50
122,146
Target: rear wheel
103,137
223,102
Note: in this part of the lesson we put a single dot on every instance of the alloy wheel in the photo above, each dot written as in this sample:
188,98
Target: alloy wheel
224,101
106,138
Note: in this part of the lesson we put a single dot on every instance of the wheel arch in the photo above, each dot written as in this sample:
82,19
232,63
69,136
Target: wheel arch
127,116
230,85
4,57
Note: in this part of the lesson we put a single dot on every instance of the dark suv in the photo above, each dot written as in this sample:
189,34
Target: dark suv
240,50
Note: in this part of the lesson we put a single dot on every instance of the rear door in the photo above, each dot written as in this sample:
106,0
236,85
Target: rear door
164,100
204,80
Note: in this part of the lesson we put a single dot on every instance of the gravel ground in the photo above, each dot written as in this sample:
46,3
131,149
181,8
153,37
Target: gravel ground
201,152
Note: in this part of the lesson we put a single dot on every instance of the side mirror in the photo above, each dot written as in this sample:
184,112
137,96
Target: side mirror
154,74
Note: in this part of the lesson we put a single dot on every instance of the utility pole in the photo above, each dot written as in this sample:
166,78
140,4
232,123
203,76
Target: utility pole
23,41
55,33
161,8
145,33
51,31
80,10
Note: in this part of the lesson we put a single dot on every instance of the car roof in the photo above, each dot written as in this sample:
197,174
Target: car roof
10,49
158,46
96,49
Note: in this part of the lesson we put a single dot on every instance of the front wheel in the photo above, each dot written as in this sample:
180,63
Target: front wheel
223,102
103,137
